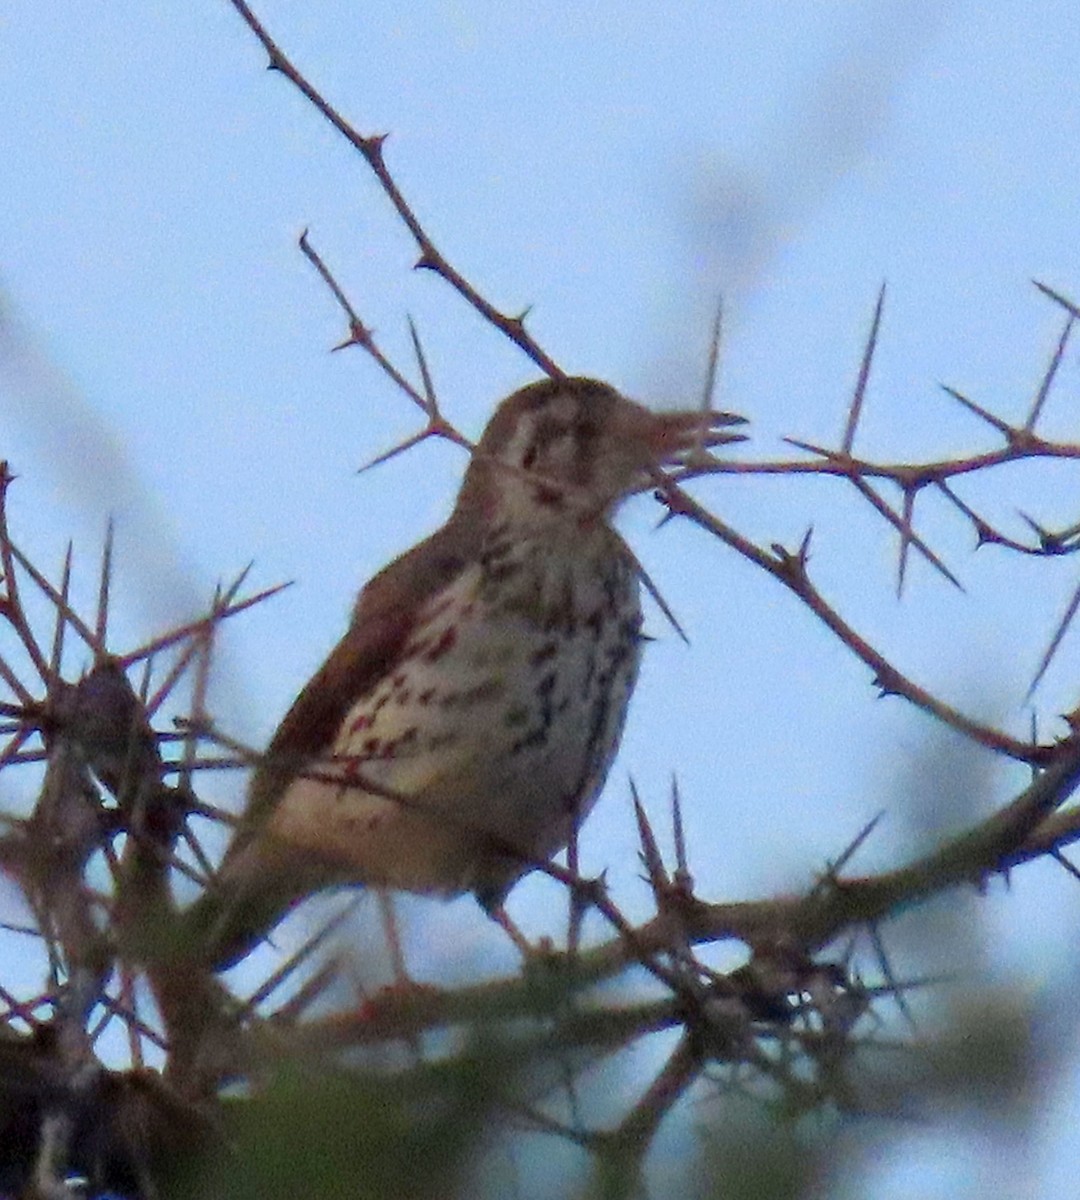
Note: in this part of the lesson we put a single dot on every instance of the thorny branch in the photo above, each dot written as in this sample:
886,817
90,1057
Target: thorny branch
115,822
1020,442
370,147
791,567
99,742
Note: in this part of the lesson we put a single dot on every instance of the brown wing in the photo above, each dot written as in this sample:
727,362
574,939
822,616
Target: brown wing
258,880
382,620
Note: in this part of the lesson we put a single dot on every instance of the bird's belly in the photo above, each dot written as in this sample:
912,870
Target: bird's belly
491,739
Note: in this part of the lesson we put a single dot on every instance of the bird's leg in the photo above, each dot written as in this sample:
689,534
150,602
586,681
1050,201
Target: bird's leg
525,948
392,937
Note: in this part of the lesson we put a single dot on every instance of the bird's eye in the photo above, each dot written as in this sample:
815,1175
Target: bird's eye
529,458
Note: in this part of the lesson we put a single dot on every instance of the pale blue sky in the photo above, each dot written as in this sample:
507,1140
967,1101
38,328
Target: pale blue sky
163,357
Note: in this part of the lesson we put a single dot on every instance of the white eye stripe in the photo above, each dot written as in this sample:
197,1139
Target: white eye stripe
518,447
544,436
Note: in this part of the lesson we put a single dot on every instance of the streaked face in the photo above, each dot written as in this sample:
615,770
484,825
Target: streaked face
579,444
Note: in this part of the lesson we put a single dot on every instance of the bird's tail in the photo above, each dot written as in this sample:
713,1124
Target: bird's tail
252,892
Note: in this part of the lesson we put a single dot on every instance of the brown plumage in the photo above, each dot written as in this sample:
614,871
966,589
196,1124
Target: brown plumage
467,719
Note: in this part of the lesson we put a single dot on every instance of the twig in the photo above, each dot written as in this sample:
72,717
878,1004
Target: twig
370,148
790,570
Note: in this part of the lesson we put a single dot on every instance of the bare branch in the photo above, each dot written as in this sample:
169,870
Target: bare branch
790,570
370,147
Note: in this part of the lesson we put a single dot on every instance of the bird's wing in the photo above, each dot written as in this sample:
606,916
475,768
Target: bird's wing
382,622
258,879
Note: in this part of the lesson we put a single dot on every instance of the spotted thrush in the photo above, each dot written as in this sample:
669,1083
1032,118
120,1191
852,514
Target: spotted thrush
464,725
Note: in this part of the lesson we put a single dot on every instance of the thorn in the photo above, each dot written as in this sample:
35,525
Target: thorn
661,603
1058,298
650,852
804,547
876,501
359,335
885,682
886,969
1049,376
905,538
712,366
101,625
52,595
1033,741
1049,542
864,374
1067,535
372,146
431,405
856,843
238,583
985,534
683,879
1060,858
516,329
304,952
1003,427
793,565
667,515
400,448
698,452
193,628
57,656
1055,642
831,455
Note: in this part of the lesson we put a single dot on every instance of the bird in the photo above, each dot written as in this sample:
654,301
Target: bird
464,725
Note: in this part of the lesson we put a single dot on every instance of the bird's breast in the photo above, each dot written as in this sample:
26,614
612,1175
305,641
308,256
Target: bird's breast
495,726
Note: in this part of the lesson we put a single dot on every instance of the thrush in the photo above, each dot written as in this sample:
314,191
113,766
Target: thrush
464,725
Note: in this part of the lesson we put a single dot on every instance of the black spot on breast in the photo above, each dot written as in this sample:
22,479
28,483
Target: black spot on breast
516,716
442,645
545,654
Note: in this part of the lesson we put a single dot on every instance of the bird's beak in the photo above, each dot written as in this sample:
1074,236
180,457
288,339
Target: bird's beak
677,439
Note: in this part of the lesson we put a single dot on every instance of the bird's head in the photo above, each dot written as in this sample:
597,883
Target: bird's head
576,446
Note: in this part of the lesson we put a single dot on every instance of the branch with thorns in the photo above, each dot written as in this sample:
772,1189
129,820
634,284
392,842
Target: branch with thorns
118,791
